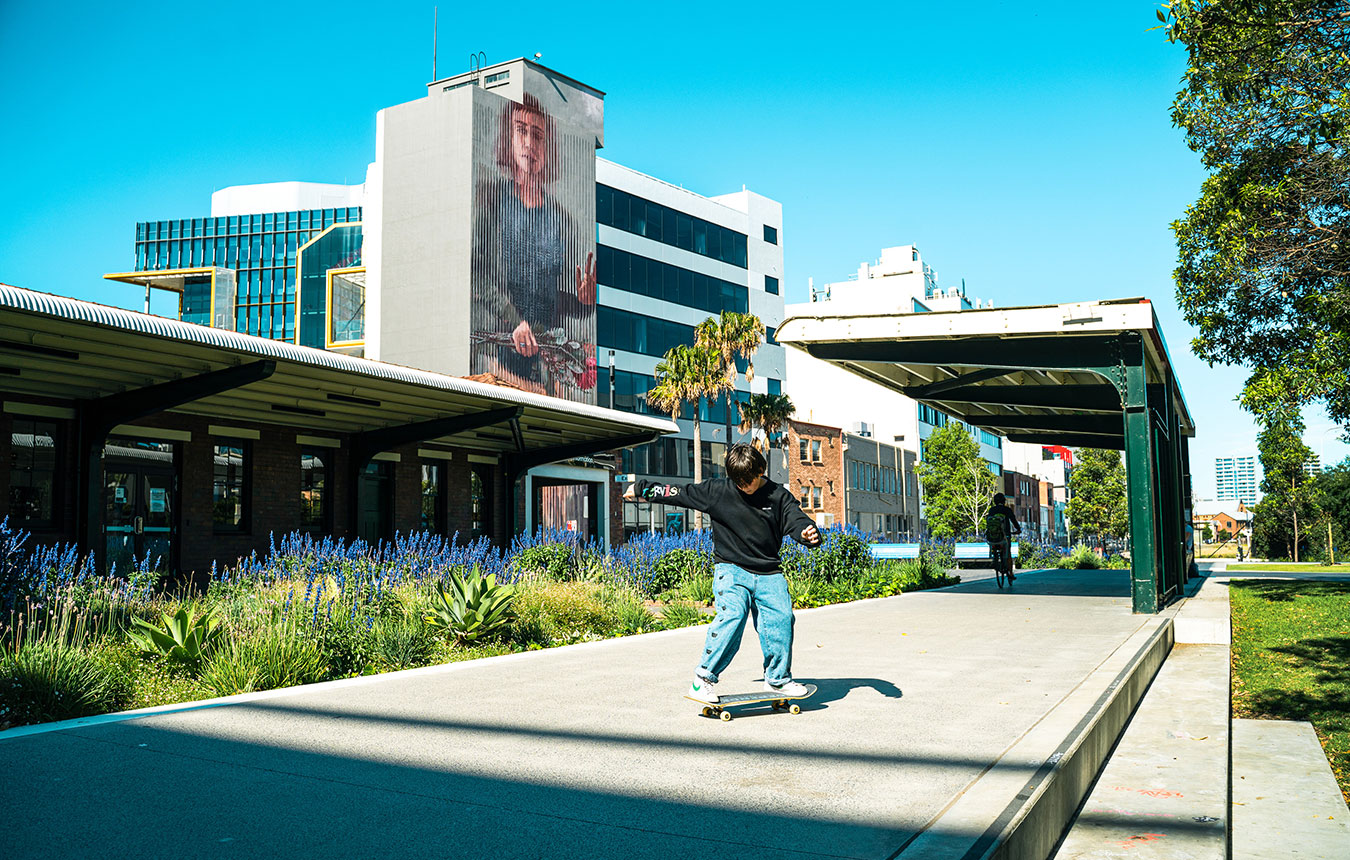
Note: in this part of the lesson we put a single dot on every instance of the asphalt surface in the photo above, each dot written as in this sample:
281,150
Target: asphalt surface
588,751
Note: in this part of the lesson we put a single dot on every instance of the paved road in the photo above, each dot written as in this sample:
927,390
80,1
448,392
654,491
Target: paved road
587,751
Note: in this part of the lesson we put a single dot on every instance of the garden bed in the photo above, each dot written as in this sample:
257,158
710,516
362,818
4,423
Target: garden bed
76,643
1291,659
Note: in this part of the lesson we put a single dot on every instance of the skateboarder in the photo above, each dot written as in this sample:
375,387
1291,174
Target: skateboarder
750,515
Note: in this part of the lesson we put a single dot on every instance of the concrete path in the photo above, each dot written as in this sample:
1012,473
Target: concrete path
1286,803
926,700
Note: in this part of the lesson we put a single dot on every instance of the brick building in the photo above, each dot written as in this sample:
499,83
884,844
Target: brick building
815,462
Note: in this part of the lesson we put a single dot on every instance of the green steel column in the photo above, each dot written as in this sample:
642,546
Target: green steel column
1188,506
1141,476
1169,491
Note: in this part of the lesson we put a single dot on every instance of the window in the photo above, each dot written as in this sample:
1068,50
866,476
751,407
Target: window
815,497
432,497
632,214
802,445
806,496
815,450
771,236
32,473
229,488
313,483
480,504
775,386
770,285
637,274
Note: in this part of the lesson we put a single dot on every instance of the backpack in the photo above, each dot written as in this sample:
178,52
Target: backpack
995,527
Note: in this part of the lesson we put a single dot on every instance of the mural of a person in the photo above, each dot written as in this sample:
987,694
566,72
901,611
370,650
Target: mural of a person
534,317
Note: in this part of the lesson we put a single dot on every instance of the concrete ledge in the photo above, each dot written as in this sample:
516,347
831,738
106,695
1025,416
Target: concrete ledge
1003,815
1164,792
1286,802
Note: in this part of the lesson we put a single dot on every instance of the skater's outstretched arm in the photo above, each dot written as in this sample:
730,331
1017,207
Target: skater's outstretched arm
698,497
796,524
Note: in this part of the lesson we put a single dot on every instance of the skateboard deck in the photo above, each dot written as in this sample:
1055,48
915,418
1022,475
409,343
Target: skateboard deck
783,703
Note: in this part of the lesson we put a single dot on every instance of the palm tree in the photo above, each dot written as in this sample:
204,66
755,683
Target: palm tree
767,412
729,335
688,374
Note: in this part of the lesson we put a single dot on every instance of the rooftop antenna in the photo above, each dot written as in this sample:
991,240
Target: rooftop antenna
435,13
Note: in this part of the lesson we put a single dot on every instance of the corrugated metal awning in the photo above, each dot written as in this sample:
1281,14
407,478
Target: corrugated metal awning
71,350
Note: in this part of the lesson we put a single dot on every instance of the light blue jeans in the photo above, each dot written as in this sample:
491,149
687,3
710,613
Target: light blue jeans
765,599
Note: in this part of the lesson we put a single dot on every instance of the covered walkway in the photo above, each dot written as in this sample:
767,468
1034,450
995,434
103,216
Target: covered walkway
1091,374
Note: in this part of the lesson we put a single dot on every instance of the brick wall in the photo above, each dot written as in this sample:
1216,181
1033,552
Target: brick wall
828,473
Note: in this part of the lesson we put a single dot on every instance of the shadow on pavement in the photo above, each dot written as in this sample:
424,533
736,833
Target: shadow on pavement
1052,583
136,790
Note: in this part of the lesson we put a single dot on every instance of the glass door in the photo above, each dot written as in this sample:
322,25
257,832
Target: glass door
139,499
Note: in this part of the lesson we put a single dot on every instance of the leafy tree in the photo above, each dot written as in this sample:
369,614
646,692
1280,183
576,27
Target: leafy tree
766,413
687,375
731,335
1333,485
1225,535
1291,495
1207,534
1097,503
956,482
1264,269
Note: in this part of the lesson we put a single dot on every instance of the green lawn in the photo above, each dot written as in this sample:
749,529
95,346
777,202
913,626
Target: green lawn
1277,567
1291,659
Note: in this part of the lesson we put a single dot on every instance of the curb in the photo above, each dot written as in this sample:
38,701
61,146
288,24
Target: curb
1002,815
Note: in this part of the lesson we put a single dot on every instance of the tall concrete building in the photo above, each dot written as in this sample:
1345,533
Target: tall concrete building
1237,478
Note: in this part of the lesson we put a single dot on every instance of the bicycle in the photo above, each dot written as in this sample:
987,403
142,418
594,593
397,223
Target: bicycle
999,559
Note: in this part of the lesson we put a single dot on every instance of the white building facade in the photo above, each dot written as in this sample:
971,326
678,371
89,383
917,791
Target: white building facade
899,282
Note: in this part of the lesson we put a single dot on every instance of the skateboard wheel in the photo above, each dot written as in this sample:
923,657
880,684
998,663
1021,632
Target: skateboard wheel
796,709
707,712
726,716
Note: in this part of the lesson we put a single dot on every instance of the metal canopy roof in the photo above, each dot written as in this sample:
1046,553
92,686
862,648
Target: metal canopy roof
1047,373
56,347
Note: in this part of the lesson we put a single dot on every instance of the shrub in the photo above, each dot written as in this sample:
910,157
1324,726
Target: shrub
700,590
630,614
277,656
184,637
843,553
566,611
400,642
471,608
939,556
1037,555
1083,557
49,679
550,560
677,567
683,615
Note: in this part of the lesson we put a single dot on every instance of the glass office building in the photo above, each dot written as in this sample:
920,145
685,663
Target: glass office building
261,249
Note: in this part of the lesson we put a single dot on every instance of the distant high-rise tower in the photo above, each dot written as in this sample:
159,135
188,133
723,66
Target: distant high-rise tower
1235,478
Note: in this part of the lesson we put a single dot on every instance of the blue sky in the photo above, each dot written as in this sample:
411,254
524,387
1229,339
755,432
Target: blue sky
1030,153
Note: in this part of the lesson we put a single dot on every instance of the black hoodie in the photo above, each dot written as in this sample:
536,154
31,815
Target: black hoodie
747,529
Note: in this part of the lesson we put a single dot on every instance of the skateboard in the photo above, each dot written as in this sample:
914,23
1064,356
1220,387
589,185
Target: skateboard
780,703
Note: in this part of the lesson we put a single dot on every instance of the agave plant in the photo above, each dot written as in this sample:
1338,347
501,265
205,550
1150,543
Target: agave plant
184,636
472,607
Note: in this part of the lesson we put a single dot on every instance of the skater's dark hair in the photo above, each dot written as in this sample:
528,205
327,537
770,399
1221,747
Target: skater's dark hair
744,464
999,498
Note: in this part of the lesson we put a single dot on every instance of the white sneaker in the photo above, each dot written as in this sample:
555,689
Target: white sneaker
703,690
787,689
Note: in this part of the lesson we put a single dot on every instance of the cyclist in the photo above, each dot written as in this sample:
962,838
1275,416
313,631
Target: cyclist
1000,524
